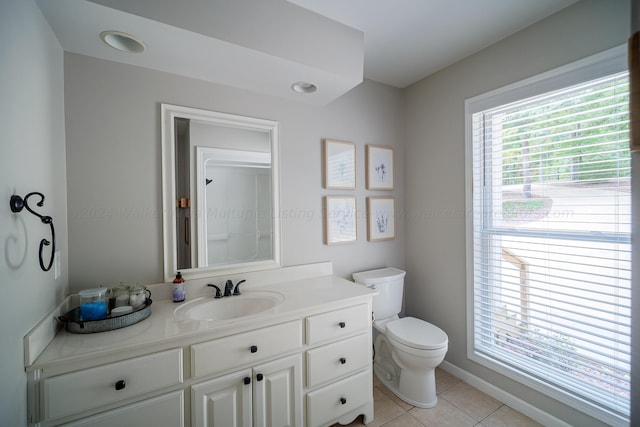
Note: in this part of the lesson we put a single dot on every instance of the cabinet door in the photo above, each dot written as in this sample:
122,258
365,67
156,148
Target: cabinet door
162,411
277,388
223,402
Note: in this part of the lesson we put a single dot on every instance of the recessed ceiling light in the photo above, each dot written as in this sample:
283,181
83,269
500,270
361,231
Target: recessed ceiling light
122,41
304,87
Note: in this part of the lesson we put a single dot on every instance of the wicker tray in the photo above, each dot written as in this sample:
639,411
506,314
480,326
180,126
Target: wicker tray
74,325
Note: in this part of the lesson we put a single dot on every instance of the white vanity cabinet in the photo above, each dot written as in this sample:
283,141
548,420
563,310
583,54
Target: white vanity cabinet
223,401
339,372
267,395
121,384
306,364
163,411
263,394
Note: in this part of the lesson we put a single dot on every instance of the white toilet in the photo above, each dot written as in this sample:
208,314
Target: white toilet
407,350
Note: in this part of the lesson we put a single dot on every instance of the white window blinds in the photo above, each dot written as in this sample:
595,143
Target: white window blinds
550,243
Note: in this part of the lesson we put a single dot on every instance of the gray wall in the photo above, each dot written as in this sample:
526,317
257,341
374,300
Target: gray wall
32,158
114,174
435,168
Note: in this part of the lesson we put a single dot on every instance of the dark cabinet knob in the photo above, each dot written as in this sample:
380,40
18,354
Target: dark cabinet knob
247,380
254,349
342,324
259,377
343,400
120,385
343,360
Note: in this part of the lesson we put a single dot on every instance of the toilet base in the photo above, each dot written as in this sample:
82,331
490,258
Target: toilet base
392,380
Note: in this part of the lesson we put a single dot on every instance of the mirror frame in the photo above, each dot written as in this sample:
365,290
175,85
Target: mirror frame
168,114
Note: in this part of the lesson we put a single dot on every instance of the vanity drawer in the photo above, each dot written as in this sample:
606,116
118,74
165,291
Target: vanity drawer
161,411
236,351
335,400
337,324
332,361
92,388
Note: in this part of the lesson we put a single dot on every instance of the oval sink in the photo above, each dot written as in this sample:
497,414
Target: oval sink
232,307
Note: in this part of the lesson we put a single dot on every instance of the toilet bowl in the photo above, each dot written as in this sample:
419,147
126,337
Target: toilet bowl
417,348
407,350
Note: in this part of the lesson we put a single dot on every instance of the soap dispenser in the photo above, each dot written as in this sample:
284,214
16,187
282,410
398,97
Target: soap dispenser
178,288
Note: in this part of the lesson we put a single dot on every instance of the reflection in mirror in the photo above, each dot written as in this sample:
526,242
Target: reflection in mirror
234,188
220,182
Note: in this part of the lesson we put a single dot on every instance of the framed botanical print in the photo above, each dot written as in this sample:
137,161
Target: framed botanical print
379,167
339,219
380,218
339,158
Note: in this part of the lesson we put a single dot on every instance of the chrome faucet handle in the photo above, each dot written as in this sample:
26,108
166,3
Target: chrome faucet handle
218,291
236,291
228,287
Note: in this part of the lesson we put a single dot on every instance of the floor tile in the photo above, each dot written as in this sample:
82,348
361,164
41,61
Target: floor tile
444,380
384,408
459,405
507,417
443,414
471,400
405,420
401,403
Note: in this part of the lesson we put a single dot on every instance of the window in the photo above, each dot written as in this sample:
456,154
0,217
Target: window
549,240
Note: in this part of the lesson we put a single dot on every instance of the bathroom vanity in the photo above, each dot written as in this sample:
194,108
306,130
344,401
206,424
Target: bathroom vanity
305,361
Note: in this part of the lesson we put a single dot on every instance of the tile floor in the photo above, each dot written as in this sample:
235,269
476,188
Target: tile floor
459,405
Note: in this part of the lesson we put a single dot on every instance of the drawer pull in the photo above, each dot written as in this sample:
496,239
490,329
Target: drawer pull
254,349
342,324
259,377
343,360
247,380
343,400
120,385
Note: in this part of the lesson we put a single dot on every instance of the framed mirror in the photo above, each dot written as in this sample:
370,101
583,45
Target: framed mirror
220,185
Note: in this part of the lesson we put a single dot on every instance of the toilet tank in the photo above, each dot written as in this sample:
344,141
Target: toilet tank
389,282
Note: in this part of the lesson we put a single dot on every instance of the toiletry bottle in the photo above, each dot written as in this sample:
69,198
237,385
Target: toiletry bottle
178,288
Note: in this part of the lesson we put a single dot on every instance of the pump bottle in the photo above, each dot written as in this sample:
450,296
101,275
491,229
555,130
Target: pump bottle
178,288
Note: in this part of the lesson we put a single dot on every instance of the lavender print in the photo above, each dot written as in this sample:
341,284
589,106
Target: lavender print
380,218
381,171
382,221
379,164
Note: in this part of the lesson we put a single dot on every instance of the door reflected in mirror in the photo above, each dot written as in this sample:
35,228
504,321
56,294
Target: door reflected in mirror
220,182
234,190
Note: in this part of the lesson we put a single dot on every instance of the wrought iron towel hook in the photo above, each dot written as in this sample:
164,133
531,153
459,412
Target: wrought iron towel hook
17,203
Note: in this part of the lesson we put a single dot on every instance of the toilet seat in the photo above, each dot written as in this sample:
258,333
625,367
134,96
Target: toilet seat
417,334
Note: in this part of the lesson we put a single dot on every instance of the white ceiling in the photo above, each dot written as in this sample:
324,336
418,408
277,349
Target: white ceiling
407,40
267,45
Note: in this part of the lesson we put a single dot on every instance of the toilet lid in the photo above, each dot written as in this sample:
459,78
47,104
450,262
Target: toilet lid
417,333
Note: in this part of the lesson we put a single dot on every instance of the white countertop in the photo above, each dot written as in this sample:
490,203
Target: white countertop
162,330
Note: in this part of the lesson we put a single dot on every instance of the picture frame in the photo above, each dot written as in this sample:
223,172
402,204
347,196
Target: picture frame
340,223
339,158
380,218
379,167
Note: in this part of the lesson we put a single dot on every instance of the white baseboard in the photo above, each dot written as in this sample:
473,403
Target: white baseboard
508,399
